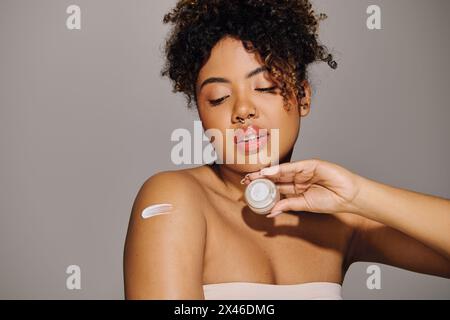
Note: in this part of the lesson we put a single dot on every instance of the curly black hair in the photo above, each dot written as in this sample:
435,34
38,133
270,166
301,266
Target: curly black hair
282,32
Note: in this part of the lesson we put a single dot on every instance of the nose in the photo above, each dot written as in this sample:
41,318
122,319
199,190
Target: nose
243,111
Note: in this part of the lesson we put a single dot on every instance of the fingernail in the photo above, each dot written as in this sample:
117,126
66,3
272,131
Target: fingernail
274,213
270,170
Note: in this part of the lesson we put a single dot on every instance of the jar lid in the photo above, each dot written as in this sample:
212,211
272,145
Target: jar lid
260,193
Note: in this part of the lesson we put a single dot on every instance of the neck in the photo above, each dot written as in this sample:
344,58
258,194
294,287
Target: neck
232,179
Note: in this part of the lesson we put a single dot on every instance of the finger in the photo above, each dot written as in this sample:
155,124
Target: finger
285,172
299,178
295,204
272,173
274,177
254,175
291,188
300,171
285,188
280,179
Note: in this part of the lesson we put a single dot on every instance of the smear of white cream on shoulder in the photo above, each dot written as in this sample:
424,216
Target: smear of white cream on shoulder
156,209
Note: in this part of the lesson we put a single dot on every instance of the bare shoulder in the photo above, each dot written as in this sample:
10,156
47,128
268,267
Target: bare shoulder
163,255
174,187
178,188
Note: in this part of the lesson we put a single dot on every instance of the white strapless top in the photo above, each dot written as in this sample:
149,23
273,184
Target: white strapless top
265,291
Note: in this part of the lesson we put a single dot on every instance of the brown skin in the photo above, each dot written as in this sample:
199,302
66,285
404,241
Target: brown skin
212,237
230,60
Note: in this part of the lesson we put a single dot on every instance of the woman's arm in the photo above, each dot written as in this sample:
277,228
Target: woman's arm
373,241
422,217
392,226
163,256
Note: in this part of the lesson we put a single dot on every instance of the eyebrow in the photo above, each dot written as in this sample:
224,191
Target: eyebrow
224,80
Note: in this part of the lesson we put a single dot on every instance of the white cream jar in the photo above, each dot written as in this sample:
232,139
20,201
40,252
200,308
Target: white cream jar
261,195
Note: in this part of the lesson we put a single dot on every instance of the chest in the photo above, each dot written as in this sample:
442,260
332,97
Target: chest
290,248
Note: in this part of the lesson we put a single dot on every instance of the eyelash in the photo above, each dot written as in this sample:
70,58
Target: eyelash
267,90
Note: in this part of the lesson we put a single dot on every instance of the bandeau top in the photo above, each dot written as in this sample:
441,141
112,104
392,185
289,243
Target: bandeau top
265,291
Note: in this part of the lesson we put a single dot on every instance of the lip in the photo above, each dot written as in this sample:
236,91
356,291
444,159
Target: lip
240,133
251,146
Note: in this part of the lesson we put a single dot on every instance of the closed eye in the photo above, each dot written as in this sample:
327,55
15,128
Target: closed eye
271,89
218,101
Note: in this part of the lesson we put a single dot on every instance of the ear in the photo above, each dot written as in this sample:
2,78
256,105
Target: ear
304,106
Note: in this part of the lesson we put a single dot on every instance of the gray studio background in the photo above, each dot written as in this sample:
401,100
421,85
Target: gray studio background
85,119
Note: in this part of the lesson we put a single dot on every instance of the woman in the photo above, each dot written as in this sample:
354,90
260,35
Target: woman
244,64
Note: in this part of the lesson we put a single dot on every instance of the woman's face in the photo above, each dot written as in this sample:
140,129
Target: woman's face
232,98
